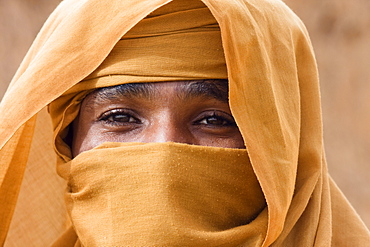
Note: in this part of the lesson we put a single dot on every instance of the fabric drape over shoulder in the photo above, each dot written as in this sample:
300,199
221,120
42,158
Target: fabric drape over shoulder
260,46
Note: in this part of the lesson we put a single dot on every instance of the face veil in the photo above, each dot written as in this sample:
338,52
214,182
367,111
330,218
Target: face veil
273,94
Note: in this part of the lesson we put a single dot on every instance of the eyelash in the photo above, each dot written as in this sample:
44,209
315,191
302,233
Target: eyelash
105,117
206,116
226,121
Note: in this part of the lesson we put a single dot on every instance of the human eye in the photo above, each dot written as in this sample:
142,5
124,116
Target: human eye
118,117
216,119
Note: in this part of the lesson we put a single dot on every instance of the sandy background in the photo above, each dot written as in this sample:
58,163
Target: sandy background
340,33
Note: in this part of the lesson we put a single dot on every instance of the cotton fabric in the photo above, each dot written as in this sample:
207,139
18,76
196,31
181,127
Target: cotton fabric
273,95
164,194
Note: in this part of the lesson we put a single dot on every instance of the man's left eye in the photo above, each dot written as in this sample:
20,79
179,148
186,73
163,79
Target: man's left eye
216,121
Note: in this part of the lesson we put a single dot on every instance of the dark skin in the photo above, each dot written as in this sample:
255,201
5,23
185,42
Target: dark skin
195,112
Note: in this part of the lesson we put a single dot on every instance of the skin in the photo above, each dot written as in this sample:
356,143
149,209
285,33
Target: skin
195,112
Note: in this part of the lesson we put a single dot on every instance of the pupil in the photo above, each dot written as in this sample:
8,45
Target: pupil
120,118
214,120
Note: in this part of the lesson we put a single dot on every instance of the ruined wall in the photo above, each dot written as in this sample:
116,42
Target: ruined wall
340,33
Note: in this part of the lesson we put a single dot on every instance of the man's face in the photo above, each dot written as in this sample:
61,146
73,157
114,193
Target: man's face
195,112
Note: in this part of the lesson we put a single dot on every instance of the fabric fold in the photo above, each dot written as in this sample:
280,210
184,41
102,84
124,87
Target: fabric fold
164,194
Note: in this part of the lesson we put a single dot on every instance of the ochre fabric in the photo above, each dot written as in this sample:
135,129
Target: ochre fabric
180,41
164,194
273,94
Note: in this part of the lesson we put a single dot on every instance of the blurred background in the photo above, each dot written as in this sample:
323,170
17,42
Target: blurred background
340,32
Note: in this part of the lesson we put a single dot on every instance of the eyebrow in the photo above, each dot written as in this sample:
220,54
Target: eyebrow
125,90
215,88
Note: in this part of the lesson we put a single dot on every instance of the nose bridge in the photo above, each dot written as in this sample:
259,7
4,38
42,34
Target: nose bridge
167,128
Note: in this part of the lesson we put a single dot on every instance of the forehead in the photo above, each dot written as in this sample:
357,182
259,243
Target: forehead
216,89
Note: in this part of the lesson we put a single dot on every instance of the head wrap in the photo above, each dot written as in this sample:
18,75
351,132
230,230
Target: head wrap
273,95
179,41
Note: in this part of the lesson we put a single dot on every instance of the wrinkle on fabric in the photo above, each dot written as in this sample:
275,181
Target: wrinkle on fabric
164,194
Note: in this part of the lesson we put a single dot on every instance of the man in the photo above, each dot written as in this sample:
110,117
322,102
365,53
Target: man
151,150
194,113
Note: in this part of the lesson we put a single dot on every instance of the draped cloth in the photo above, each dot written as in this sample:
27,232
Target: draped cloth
164,194
264,51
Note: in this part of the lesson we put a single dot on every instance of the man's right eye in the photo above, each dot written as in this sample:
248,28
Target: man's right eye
118,117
